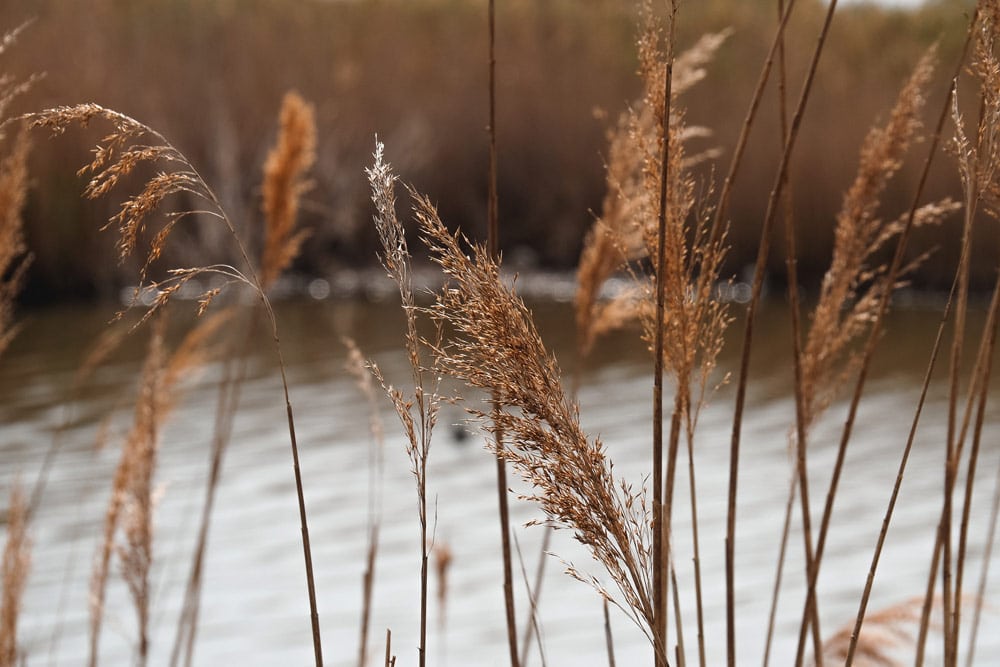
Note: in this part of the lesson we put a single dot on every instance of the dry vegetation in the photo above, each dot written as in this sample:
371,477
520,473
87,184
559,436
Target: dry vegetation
663,228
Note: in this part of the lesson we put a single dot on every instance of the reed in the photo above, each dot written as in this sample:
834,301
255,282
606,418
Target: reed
13,194
417,412
283,186
357,368
665,228
132,144
13,263
16,563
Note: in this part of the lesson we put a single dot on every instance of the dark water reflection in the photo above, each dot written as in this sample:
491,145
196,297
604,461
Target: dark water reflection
255,608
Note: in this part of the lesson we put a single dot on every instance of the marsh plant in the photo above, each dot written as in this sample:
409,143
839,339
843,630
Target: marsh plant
663,231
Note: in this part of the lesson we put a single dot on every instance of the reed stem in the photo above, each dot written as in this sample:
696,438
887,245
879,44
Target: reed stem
493,248
756,288
801,425
660,523
228,401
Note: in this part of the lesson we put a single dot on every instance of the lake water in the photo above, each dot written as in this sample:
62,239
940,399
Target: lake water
255,608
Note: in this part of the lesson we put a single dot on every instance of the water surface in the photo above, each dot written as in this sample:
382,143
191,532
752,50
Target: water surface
255,608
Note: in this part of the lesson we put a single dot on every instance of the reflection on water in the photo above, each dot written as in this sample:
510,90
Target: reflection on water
255,609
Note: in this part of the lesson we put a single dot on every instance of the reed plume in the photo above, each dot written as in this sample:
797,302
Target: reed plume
130,144
887,633
284,184
617,236
853,285
495,347
853,297
628,229
16,563
417,412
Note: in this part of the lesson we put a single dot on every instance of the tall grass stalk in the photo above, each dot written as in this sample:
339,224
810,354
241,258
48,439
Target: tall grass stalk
230,389
418,412
891,276
495,347
722,208
661,524
979,159
130,507
897,485
984,571
493,248
358,369
758,281
14,575
13,264
791,268
283,184
641,190
983,369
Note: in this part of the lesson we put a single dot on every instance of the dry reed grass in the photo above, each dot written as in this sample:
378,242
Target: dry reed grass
357,368
119,154
417,412
13,194
496,348
284,184
656,211
886,633
130,507
13,263
978,158
16,563
853,285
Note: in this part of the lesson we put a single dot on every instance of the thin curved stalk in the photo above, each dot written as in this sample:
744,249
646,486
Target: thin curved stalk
758,94
493,248
679,648
984,572
229,397
984,366
660,548
608,638
536,592
758,281
293,442
870,581
782,550
801,427
699,605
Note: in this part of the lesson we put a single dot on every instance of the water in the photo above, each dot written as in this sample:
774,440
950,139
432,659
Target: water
255,607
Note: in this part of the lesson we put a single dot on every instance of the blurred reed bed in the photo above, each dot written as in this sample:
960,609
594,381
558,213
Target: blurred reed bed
570,67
